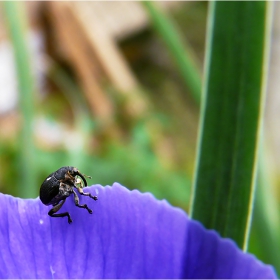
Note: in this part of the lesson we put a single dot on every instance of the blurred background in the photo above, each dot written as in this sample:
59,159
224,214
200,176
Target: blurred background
113,88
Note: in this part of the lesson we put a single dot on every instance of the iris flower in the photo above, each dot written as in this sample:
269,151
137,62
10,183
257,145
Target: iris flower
129,235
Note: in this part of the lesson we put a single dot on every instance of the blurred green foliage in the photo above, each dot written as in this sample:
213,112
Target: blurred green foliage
17,25
131,161
180,51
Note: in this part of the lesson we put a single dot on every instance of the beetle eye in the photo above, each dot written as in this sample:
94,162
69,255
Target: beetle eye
75,170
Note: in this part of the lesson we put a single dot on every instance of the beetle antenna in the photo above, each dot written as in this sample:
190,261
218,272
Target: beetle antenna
87,176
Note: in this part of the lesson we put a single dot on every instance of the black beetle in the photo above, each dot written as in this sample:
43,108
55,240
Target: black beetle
59,185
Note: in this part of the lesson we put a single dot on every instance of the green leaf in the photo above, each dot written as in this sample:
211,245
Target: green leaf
179,50
230,118
17,24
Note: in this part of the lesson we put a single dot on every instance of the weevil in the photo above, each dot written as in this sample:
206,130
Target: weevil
61,184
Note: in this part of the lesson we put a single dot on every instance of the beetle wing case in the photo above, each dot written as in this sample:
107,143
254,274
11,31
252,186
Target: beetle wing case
49,189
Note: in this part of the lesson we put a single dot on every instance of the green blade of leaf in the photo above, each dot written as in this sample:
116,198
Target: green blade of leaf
179,50
230,118
17,25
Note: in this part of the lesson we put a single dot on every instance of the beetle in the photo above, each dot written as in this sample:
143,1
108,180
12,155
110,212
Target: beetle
61,184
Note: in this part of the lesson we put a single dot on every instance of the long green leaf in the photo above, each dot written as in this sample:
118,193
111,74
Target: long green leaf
230,118
178,48
17,25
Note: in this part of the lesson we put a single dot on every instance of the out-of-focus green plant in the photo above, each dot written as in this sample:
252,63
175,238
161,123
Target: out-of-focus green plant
17,24
231,115
264,239
78,152
181,53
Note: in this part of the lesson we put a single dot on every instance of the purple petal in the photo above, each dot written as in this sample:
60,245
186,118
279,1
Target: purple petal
129,235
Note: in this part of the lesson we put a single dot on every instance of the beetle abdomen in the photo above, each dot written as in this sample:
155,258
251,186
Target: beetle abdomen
49,189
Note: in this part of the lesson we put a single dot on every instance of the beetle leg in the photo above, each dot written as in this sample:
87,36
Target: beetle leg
79,205
56,208
87,194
